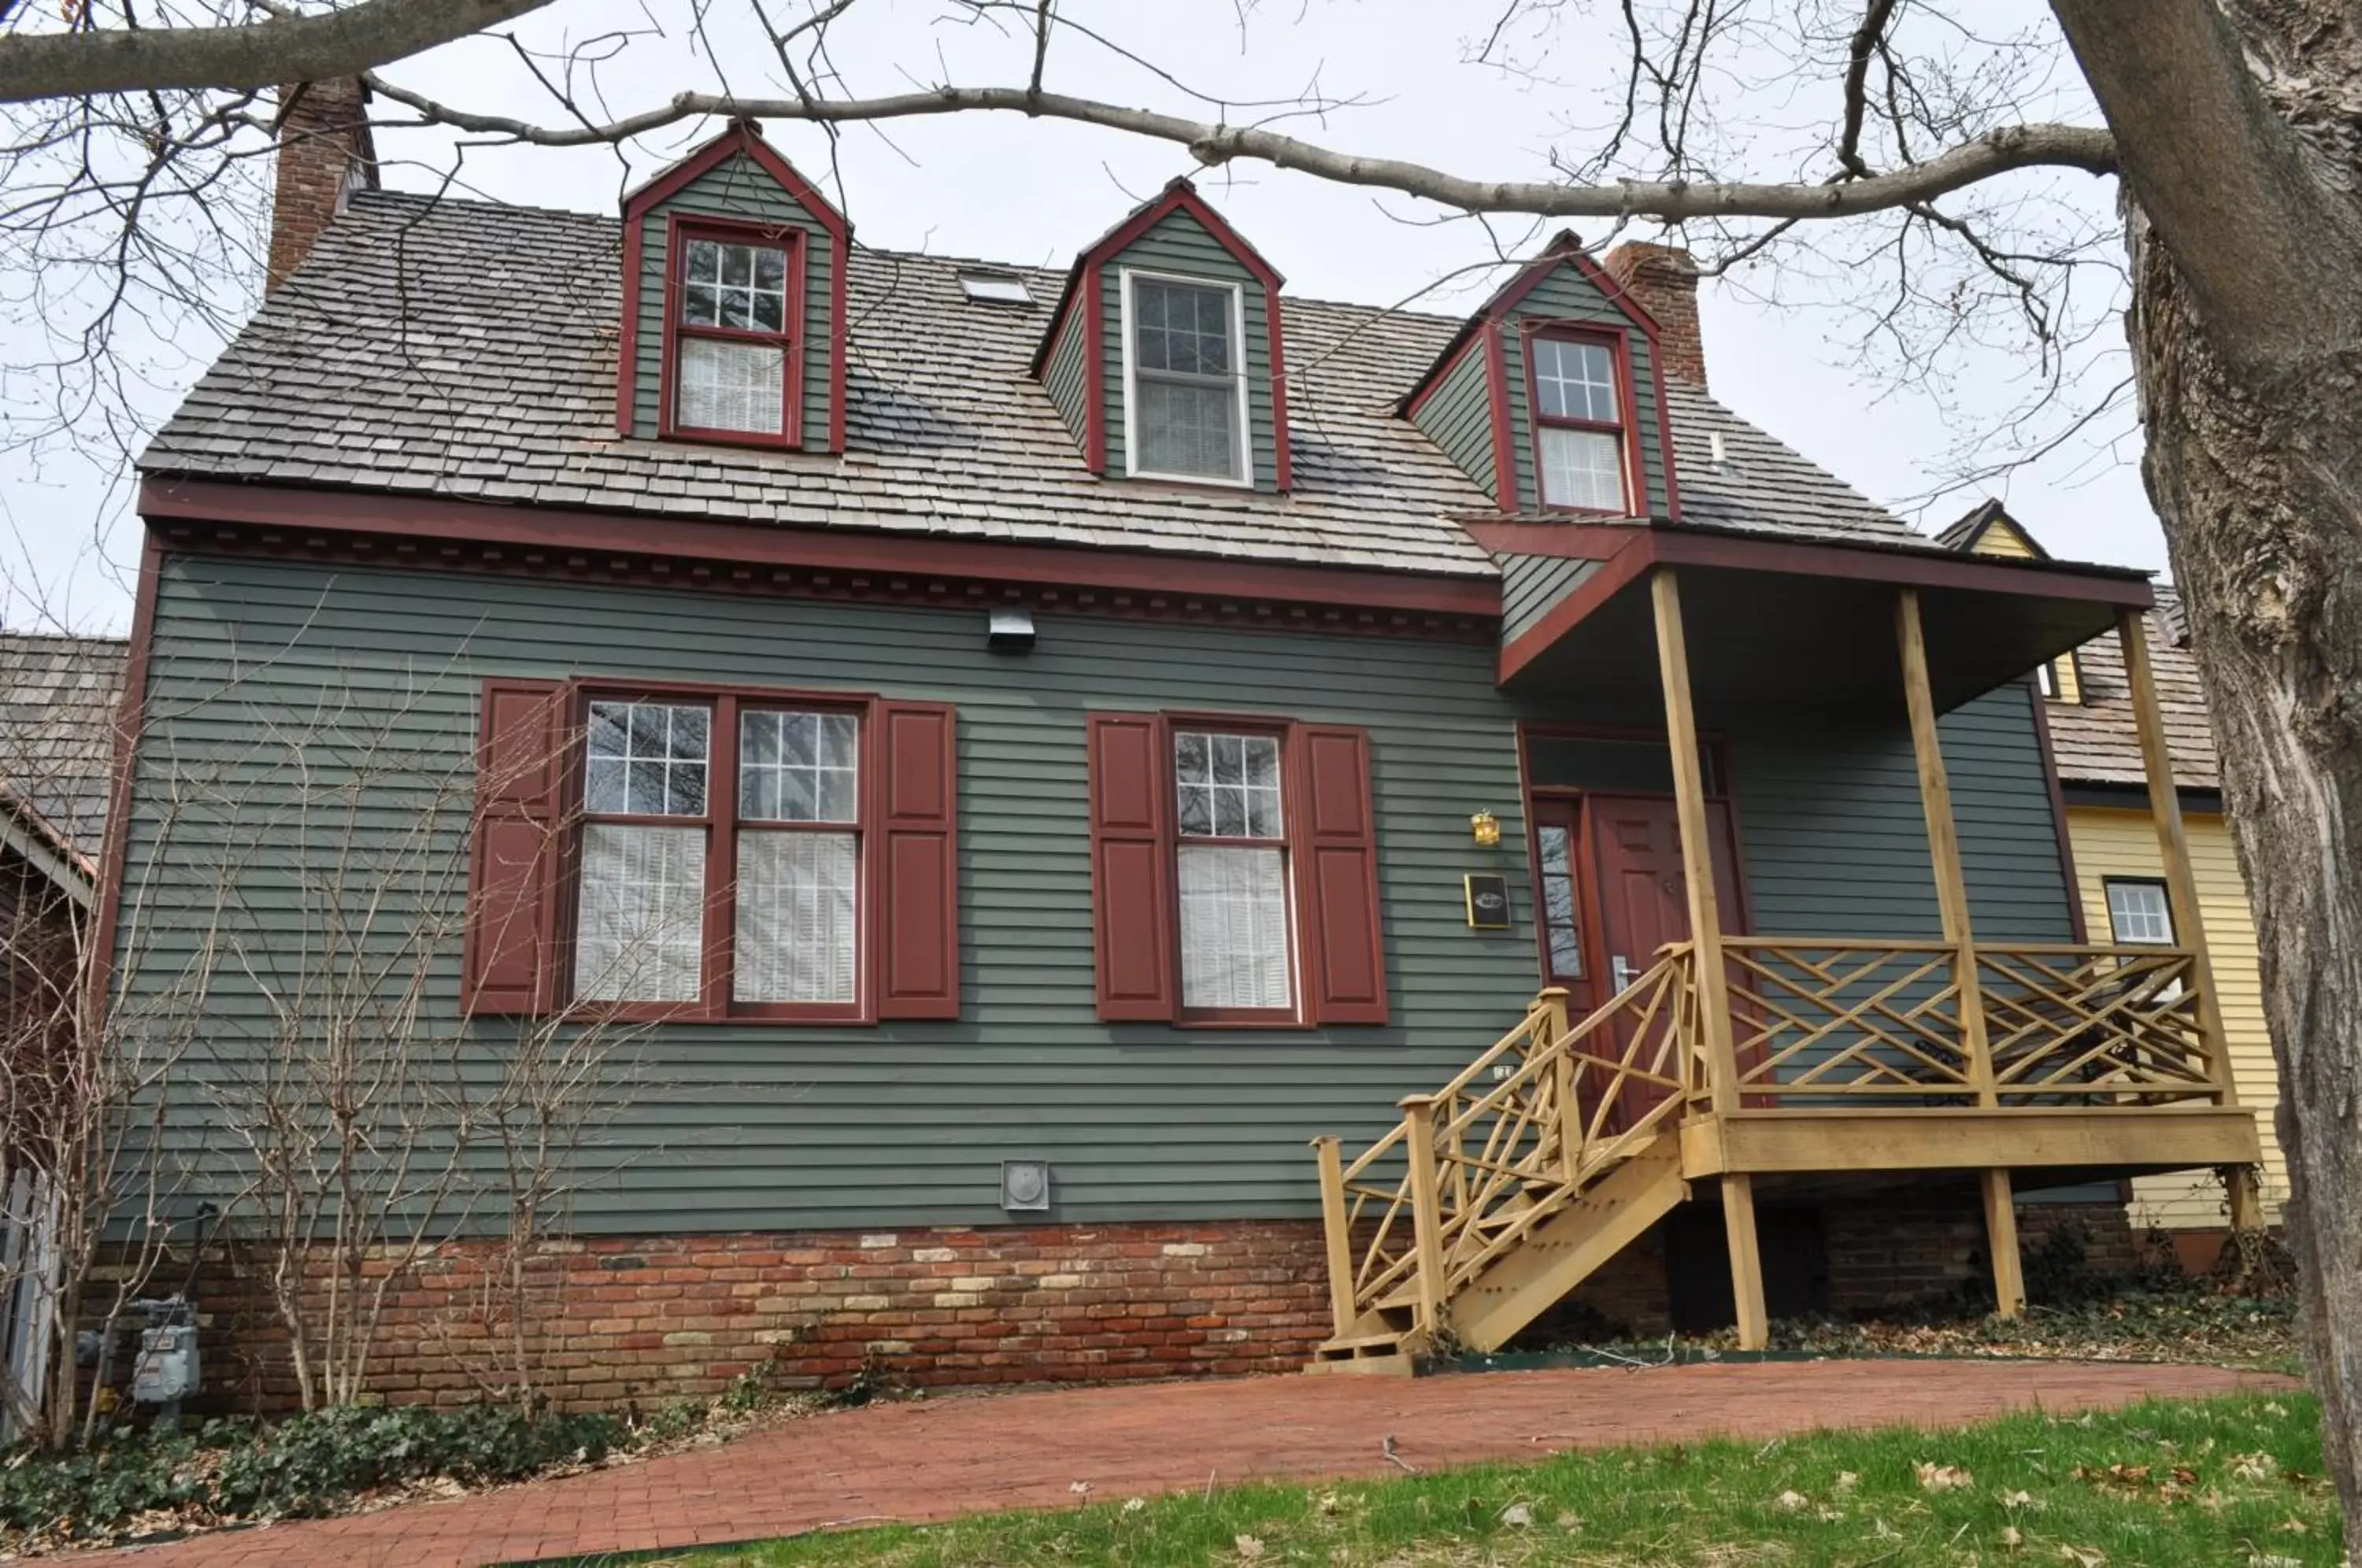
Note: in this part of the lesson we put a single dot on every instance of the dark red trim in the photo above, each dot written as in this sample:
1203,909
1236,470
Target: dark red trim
839,344
1175,579
131,716
1614,574
1094,370
1505,488
741,136
1565,249
794,343
1283,466
1619,355
627,368
2057,811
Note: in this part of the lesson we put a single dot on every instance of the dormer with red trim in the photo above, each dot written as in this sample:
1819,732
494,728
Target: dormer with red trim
734,302
1164,354
1552,396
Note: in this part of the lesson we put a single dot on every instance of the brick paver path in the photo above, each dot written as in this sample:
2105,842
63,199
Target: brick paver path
954,1455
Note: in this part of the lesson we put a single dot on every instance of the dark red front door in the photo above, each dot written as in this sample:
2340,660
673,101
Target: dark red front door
1636,842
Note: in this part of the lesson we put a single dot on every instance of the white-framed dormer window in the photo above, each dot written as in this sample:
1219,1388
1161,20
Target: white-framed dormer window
1185,380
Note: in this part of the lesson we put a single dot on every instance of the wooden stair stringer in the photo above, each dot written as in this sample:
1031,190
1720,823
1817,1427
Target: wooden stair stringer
1567,1248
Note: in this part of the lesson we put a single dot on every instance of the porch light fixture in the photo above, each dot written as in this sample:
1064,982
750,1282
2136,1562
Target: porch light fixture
1486,829
1010,631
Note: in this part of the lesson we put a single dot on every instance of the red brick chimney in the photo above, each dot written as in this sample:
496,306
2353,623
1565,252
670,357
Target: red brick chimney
325,151
1662,281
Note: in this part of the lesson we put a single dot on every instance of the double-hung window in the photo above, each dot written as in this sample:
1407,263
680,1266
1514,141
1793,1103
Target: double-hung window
1579,424
1187,402
1232,874
2139,915
734,359
721,856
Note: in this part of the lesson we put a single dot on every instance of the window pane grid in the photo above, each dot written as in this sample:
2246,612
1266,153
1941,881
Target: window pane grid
1574,381
647,759
1226,785
740,287
798,768
1184,364
2138,914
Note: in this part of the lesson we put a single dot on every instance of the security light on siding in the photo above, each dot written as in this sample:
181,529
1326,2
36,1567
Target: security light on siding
1025,1187
1486,829
1010,631
995,288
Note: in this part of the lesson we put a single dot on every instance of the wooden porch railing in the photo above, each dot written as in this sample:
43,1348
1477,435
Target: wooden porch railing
1469,1170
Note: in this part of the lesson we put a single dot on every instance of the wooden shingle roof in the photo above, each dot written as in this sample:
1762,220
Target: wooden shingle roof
461,350
57,711
2096,740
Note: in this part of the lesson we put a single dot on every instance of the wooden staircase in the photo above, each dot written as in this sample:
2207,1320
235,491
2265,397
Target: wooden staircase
1497,1195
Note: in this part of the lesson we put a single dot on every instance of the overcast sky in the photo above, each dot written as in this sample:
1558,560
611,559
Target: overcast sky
1035,191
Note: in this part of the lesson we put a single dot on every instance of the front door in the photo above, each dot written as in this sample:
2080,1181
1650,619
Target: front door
1636,845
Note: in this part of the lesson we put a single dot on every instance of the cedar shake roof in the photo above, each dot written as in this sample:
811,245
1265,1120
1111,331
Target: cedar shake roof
57,710
467,350
2096,741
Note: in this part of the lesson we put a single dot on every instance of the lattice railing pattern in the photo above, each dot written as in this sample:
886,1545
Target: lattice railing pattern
1544,1113
2094,1026
1856,1021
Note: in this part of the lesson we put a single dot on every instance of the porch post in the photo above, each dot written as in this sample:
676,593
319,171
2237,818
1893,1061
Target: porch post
1337,1232
1697,850
1426,1208
1706,937
1959,935
2181,892
1944,844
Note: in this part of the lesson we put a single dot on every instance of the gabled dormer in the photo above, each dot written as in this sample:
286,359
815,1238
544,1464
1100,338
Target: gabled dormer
734,302
1165,353
1990,530
1552,397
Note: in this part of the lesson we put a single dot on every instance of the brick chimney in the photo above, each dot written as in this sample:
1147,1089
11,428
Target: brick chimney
325,151
1662,281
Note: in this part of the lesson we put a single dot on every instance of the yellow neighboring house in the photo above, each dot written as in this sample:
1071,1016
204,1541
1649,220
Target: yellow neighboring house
2112,843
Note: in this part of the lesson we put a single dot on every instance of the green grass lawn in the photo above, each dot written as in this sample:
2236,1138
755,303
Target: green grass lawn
2232,1482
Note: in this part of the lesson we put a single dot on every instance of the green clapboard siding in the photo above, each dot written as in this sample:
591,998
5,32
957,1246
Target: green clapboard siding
1566,295
305,769
1178,244
1531,586
739,188
1062,377
1458,417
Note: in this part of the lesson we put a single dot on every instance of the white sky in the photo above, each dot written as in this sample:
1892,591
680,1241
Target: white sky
1036,191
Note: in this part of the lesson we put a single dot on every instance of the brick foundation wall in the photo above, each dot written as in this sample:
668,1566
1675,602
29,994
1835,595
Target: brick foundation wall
613,1321
617,1320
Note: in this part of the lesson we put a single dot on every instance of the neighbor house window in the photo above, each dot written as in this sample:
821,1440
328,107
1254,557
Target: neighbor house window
2139,912
1578,424
1187,403
733,338
1233,870
721,858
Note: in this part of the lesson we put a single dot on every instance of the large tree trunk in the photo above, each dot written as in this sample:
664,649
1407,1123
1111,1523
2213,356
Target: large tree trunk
2260,489
2235,123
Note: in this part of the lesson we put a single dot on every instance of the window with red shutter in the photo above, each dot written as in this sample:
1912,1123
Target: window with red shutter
1234,871
737,855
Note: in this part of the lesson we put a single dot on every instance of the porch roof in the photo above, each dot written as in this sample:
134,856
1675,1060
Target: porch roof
1783,622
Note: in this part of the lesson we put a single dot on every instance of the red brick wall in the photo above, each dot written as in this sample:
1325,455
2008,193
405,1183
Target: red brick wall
1927,1245
648,1319
324,146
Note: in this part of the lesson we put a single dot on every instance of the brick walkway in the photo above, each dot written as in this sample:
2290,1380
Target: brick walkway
954,1455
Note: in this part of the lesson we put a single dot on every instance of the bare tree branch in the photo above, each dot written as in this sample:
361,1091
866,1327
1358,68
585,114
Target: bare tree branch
282,49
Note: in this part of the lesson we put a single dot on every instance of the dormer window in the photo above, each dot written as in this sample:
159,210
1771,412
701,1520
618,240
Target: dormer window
733,342
1579,423
1185,387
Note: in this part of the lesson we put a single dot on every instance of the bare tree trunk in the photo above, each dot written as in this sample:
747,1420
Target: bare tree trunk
2260,489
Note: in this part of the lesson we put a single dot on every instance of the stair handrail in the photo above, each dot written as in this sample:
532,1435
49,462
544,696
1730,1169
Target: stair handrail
1547,1128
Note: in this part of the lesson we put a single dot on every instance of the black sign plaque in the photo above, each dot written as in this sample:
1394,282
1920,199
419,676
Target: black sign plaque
1488,900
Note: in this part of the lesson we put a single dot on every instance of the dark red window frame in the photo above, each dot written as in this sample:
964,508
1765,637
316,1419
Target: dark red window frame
1616,341
1291,814
715,1002
679,231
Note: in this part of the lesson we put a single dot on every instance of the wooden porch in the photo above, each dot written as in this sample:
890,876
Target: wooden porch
1733,1057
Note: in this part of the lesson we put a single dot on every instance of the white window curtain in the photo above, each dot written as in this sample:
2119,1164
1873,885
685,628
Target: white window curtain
643,910
796,927
732,386
1582,467
1233,927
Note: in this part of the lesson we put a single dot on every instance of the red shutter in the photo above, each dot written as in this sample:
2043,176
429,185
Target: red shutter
918,856
510,965
1131,868
1336,852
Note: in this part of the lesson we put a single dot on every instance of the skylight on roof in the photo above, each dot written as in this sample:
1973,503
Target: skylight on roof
996,288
